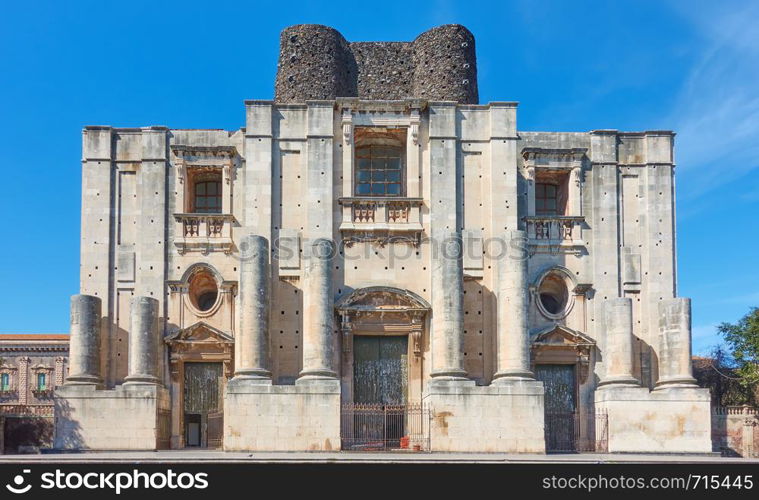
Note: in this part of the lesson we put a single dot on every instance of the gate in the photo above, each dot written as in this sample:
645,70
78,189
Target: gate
203,400
572,432
377,427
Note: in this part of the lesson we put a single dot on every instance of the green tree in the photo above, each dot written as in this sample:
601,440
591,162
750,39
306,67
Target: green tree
743,341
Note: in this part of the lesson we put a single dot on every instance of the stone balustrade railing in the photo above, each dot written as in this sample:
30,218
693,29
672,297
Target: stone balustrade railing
46,410
203,232
381,218
555,229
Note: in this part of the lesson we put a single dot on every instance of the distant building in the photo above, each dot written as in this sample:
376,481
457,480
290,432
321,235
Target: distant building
33,365
378,260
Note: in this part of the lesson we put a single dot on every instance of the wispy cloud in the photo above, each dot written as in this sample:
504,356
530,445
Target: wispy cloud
717,110
704,338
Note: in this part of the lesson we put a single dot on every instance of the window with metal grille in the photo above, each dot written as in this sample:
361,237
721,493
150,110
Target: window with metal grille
379,171
208,197
546,199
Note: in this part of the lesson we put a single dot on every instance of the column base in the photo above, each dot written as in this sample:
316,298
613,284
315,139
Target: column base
449,375
141,379
309,376
620,381
84,380
676,383
508,376
247,377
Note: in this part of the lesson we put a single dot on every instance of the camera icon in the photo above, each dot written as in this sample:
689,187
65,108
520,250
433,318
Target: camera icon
18,481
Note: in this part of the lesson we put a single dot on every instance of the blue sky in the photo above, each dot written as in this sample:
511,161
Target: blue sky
690,66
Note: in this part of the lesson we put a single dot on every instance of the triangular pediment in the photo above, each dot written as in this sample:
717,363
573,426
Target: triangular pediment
561,336
199,333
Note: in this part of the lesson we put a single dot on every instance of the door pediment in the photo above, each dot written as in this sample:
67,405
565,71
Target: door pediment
200,337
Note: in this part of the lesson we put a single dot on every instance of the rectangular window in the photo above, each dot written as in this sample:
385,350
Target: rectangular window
41,382
551,193
546,199
5,382
378,171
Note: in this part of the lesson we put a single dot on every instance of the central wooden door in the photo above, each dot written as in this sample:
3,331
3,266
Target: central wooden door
203,404
380,369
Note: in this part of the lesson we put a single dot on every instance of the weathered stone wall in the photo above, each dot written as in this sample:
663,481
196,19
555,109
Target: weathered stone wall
304,417
316,62
125,418
661,421
504,418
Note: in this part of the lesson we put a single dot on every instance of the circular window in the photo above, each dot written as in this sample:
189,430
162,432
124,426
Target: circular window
553,296
203,290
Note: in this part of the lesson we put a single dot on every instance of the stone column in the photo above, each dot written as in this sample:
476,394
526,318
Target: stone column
619,343
675,369
253,338
143,341
84,344
513,341
318,313
448,310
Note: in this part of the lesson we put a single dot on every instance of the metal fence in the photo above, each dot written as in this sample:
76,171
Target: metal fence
576,432
376,427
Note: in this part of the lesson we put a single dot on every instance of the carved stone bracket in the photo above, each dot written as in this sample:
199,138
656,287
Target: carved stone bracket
414,126
347,122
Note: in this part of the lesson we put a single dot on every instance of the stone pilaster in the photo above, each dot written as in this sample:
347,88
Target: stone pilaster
143,341
60,374
84,344
253,338
513,349
318,313
619,343
23,380
675,369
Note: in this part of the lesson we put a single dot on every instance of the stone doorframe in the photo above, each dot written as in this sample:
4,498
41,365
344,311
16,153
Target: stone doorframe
561,345
199,342
383,310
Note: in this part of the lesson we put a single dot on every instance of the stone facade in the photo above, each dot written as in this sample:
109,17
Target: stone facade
251,289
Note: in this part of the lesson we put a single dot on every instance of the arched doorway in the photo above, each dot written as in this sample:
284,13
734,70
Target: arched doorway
382,336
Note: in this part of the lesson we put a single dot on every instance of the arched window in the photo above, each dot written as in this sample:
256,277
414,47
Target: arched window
379,162
207,196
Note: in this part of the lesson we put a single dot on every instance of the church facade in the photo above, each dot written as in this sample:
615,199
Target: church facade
378,260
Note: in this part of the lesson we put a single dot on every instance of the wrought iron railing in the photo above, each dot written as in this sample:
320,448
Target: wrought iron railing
574,432
376,427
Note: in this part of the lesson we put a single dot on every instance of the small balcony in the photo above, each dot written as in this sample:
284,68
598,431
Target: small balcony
203,233
563,231
381,219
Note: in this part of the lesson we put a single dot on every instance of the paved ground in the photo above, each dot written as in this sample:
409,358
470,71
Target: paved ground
190,456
